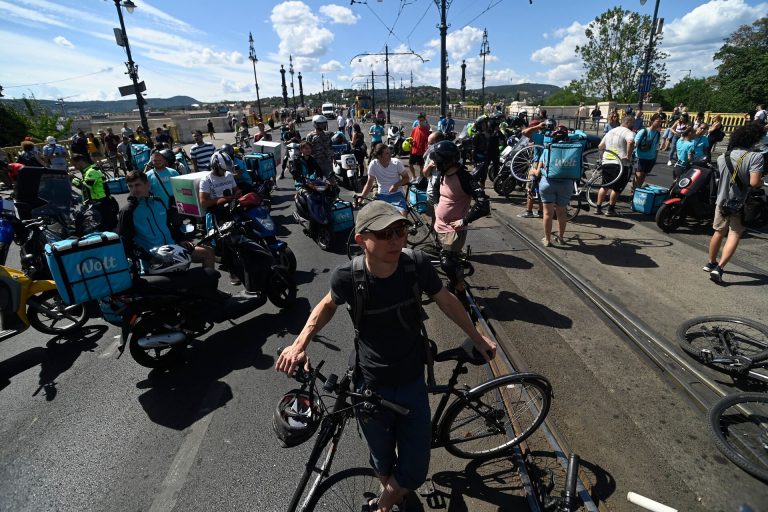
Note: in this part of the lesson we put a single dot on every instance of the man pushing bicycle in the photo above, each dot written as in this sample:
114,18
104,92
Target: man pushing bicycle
382,289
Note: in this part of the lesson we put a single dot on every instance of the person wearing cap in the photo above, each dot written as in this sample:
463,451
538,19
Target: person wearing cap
55,155
390,351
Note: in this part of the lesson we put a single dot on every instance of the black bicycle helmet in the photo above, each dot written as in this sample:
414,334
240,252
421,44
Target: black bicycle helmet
445,153
296,418
228,149
169,155
549,125
338,138
559,134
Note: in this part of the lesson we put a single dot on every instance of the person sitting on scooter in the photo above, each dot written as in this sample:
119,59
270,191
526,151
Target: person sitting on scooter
95,192
685,148
160,177
390,175
376,132
322,150
305,168
144,224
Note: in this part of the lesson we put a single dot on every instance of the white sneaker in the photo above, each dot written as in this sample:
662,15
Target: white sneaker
669,163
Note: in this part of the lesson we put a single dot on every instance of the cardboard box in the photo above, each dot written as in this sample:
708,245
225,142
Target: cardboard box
268,146
186,190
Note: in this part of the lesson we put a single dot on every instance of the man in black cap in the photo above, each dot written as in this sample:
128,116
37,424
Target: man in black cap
383,288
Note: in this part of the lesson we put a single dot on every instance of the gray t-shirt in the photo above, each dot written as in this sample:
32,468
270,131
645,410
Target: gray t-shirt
752,163
391,348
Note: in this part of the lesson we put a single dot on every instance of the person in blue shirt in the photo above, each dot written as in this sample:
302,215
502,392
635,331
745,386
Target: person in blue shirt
450,124
160,178
144,224
685,150
376,132
646,147
700,141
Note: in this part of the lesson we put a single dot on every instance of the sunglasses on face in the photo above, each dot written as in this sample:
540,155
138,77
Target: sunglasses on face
390,233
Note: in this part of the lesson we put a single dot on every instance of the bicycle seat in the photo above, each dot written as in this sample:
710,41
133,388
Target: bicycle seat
466,353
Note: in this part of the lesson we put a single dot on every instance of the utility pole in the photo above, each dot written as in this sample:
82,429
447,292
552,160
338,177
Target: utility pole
412,95
386,72
648,54
443,60
322,84
254,60
463,80
290,70
373,93
301,90
485,49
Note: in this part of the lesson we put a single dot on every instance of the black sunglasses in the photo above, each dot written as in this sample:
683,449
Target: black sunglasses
389,233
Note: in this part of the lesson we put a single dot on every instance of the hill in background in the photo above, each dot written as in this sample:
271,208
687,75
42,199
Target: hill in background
79,108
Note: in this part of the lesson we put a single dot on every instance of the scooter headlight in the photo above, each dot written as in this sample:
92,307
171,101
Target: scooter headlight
684,182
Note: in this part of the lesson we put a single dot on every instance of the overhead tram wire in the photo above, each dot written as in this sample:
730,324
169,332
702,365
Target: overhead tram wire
403,3
491,5
391,30
408,37
106,70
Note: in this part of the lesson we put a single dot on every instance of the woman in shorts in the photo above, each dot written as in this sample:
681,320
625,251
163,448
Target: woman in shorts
554,195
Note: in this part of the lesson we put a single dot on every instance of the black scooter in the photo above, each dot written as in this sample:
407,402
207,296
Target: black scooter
692,195
314,211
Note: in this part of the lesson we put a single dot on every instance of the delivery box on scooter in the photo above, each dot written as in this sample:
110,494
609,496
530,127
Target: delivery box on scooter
261,165
648,199
268,146
186,190
89,268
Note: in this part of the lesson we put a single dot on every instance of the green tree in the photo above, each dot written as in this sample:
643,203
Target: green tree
13,126
42,123
572,94
698,94
740,81
614,55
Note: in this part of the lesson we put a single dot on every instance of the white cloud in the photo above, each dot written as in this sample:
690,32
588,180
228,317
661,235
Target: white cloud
339,14
562,74
19,14
562,52
63,41
146,10
460,42
331,65
299,30
711,22
231,86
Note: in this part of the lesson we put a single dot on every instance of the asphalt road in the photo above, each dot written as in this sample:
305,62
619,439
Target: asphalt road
83,430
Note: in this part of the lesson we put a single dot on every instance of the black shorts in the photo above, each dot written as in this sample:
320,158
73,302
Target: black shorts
416,160
610,172
645,166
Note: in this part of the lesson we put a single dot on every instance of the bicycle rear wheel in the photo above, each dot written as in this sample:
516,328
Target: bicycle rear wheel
346,490
592,166
523,160
591,189
496,416
706,338
739,426
420,214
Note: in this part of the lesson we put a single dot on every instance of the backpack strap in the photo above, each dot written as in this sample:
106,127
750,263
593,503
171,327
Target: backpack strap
414,260
735,172
360,283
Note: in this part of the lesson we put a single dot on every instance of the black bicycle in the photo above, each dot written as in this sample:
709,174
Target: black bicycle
730,344
739,425
481,422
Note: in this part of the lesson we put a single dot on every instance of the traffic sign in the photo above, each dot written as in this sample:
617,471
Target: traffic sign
128,90
645,83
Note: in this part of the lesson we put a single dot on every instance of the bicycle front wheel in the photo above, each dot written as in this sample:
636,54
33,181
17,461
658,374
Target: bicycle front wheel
317,466
345,491
592,167
592,188
738,425
713,337
496,416
420,215
522,162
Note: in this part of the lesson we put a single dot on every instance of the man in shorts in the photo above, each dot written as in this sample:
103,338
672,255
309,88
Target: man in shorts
620,140
740,170
419,146
646,146
390,351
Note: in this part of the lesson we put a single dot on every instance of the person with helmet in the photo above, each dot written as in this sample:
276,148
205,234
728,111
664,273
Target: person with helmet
554,194
419,137
322,149
144,224
383,288
219,186
160,177
462,200
54,155
376,131
486,145
305,167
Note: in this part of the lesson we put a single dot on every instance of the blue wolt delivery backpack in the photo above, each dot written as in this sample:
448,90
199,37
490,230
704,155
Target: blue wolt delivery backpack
564,161
89,268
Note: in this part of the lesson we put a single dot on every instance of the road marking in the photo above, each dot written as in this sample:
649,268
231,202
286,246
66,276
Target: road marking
185,457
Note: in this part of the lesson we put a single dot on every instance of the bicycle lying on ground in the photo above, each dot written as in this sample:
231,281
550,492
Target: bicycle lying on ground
482,422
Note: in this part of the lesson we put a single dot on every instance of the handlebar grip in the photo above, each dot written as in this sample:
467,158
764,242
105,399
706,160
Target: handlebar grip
397,408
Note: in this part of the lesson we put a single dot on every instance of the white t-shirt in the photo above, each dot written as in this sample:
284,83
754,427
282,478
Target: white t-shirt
387,176
616,141
760,115
216,186
342,121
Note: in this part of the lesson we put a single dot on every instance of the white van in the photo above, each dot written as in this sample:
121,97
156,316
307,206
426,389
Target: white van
329,111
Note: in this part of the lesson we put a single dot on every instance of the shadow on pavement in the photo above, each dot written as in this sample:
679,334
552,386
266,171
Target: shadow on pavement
501,259
494,482
621,253
509,306
753,279
61,354
178,397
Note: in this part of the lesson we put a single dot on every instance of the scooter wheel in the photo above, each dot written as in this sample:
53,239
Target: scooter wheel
324,238
281,289
162,358
48,314
670,217
287,259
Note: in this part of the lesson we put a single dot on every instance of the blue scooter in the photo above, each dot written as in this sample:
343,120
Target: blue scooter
257,210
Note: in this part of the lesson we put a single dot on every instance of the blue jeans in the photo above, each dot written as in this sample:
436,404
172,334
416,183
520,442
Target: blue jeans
400,445
396,199
673,148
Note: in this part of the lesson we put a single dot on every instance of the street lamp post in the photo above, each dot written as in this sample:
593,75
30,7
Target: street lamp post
485,49
463,80
254,60
301,90
290,70
649,51
133,68
285,89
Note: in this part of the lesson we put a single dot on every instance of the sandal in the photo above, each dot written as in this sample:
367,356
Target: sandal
545,242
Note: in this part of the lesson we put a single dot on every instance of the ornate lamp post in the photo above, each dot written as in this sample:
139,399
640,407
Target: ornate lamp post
285,89
301,90
254,60
290,70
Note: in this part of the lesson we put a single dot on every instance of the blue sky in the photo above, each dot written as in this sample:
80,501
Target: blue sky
200,49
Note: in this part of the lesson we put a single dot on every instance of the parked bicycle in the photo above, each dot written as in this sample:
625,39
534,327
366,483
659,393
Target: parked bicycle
482,422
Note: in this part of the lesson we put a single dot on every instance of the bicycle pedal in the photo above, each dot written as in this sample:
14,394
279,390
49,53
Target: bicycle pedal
426,489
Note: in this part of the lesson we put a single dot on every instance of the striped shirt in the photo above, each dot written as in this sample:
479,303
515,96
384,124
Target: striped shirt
201,153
